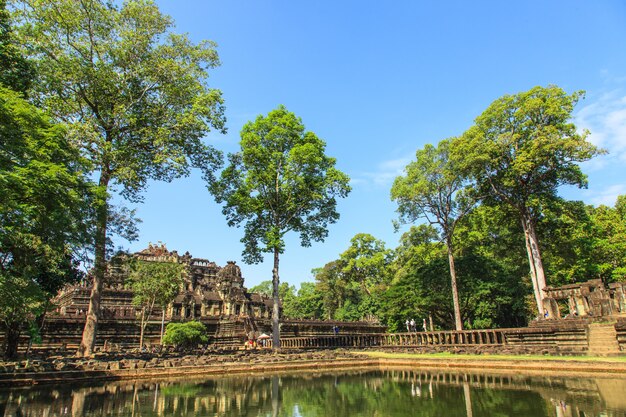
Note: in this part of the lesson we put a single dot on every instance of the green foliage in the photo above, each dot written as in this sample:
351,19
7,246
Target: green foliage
185,335
45,202
567,232
306,303
609,245
44,192
519,151
16,72
154,283
133,94
435,188
523,146
418,246
20,300
280,181
349,287
365,263
264,287
309,302
330,284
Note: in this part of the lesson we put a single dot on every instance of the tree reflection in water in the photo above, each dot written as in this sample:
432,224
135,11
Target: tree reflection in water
374,393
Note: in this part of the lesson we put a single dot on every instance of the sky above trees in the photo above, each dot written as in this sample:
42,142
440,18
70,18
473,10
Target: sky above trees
377,81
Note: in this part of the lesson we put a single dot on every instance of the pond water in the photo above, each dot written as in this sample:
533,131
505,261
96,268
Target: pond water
368,393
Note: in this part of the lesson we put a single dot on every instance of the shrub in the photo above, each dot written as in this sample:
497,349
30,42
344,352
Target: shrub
185,335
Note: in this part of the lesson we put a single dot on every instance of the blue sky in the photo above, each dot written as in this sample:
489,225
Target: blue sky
378,80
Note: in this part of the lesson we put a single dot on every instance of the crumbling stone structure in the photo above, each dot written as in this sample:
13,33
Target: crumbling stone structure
208,291
586,299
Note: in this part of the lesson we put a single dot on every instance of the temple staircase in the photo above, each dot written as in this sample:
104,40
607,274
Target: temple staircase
602,338
250,326
230,333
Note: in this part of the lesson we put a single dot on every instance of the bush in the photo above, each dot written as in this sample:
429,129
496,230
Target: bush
186,335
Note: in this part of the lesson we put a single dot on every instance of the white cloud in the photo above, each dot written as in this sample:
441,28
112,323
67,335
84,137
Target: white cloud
606,196
384,173
606,120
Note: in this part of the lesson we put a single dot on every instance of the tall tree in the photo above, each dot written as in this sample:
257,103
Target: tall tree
331,284
154,284
411,294
45,202
365,276
520,150
134,95
281,181
365,262
16,72
609,246
435,189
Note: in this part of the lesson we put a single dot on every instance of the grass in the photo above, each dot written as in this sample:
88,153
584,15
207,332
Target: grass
489,357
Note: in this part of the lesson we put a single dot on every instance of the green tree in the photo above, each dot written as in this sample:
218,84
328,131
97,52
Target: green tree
288,300
309,302
45,201
418,246
568,235
332,286
301,304
16,72
134,95
609,246
186,335
264,287
365,276
306,303
365,262
435,189
520,150
154,284
281,181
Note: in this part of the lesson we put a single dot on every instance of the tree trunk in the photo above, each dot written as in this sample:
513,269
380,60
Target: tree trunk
162,325
12,338
533,275
468,399
455,293
93,313
276,308
143,326
534,257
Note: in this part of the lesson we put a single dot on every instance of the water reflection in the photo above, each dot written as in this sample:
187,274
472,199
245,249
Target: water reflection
375,393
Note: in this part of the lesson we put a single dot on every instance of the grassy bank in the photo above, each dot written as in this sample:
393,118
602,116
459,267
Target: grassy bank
489,357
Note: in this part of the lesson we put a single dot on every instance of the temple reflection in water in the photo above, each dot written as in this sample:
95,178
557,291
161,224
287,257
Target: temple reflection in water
389,393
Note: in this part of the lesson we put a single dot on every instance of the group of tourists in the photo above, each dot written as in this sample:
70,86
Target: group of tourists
411,326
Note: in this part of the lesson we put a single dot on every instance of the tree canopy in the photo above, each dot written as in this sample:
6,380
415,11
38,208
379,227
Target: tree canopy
520,150
133,93
436,189
280,181
45,202
153,284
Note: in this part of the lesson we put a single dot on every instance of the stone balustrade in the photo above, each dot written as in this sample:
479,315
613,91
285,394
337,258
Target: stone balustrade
439,338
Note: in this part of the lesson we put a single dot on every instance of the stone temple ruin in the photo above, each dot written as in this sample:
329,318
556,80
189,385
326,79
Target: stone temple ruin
213,295
209,291
582,318
586,299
